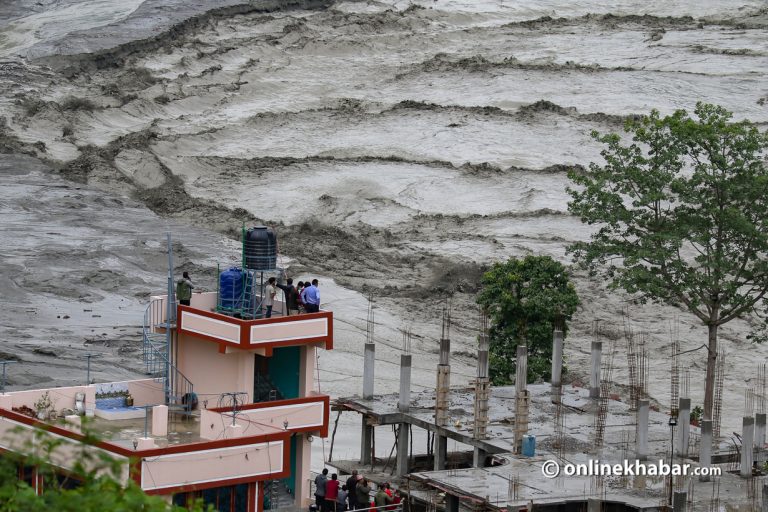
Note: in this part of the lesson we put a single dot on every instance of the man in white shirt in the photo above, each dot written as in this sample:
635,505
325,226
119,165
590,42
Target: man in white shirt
269,297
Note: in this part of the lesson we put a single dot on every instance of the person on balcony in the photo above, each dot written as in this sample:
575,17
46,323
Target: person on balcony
291,297
311,297
184,289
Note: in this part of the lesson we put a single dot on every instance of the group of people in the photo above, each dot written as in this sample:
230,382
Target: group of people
333,495
303,298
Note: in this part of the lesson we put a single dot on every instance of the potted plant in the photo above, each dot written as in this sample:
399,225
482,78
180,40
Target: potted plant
696,414
43,406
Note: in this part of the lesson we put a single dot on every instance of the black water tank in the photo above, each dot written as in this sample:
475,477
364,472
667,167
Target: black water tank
260,248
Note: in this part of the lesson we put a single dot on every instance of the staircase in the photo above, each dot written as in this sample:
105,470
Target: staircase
156,362
264,390
277,495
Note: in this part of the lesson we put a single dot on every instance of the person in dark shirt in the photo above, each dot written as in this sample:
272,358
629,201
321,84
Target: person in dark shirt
351,484
291,297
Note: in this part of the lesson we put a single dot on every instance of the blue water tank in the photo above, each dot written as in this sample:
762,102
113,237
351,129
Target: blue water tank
529,445
231,288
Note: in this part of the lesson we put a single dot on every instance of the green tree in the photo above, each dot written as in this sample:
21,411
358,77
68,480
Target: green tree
682,216
92,485
525,299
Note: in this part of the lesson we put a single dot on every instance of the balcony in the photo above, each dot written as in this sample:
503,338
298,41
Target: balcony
307,414
201,320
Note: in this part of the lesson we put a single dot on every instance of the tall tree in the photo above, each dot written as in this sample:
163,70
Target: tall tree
681,216
525,299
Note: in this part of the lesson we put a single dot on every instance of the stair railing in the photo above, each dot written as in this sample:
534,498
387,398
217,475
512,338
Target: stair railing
155,358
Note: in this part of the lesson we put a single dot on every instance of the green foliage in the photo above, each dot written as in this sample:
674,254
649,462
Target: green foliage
98,477
696,414
525,299
681,216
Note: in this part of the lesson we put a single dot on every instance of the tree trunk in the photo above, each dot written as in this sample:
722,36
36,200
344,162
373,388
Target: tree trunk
709,388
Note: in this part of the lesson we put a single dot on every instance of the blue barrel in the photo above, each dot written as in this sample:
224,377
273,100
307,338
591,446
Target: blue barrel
231,288
529,445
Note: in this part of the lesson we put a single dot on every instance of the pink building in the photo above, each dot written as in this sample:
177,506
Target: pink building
238,408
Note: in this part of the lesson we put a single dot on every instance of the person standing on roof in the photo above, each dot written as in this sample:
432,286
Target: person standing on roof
311,297
291,297
184,289
269,296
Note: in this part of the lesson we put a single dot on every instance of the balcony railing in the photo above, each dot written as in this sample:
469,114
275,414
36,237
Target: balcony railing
307,414
262,333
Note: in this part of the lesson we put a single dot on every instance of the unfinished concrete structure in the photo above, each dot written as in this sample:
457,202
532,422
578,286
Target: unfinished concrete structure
491,472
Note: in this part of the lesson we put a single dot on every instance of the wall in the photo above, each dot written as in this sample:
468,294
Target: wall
22,438
256,460
61,397
213,373
265,420
307,370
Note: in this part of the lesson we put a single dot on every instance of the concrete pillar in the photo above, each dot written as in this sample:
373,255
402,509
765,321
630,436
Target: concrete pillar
302,474
593,504
441,452
405,383
478,458
557,365
451,503
747,445
705,450
760,430
643,407
402,450
366,442
764,507
679,501
684,424
442,399
160,420
594,374
368,370
760,438
145,443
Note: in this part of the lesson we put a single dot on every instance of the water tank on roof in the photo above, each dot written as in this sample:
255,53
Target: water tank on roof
231,288
260,248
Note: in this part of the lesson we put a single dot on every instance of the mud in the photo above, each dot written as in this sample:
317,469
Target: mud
399,150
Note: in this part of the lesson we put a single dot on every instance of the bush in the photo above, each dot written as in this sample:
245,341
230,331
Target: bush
163,99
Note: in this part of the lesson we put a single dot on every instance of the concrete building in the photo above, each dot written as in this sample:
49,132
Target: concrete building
231,406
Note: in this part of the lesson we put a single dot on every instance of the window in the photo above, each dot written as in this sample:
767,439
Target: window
224,499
